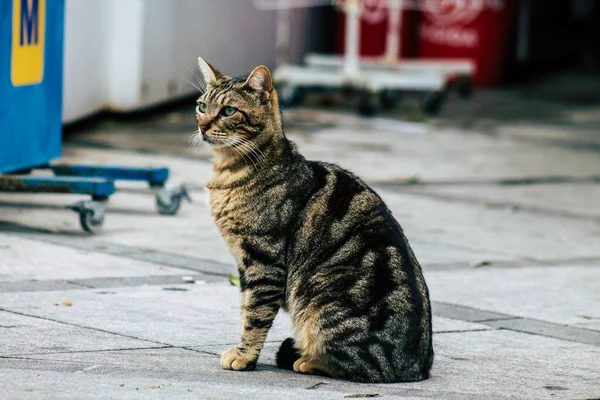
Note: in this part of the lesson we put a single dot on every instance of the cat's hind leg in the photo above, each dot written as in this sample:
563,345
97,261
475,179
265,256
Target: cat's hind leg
289,357
305,366
311,347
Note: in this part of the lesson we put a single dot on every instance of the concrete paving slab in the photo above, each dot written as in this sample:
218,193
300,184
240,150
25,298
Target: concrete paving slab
516,235
564,295
555,199
502,363
198,315
469,365
446,325
204,266
122,384
30,335
23,259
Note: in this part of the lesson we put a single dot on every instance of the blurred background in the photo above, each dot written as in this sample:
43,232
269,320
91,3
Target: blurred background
124,56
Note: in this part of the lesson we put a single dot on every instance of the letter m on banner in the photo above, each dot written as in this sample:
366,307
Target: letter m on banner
28,33
29,22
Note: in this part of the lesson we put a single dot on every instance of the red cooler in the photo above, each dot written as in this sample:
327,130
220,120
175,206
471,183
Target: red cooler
479,30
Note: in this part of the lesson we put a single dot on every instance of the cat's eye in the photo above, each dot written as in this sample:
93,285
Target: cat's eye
202,107
229,111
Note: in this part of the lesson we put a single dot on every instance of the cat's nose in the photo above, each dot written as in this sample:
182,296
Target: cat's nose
203,127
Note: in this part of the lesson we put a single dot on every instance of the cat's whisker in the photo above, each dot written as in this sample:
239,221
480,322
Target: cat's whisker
254,150
243,150
242,143
193,84
195,140
245,145
232,143
200,82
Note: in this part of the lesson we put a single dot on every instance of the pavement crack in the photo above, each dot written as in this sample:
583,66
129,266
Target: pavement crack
90,351
465,330
483,321
212,353
520,181
79,283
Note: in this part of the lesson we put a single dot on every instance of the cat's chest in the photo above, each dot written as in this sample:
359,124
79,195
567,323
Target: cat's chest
227,205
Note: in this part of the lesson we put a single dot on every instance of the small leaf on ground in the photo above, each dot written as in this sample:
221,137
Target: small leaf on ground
555,388
481,263
361,395
234,280
66,303
587,316
408,180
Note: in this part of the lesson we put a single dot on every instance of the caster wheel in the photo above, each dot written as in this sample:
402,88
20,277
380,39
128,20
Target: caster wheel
290,96
168,208
431,103
91,221
168,201
91,214
388,99
464,87
367,107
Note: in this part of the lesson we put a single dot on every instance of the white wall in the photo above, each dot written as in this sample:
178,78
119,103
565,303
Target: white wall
129,54
86,67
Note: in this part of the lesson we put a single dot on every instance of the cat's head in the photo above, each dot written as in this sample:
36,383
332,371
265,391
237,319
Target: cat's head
237,115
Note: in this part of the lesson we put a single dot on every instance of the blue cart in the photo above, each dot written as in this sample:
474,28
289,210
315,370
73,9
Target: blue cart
31,68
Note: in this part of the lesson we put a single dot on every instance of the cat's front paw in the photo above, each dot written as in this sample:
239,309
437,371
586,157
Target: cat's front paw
238,360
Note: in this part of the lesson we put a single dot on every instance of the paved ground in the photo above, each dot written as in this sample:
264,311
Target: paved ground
504,216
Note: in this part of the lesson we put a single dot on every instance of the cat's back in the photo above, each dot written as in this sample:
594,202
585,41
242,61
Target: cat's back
339,206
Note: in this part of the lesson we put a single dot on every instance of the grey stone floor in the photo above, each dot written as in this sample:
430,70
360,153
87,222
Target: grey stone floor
506,223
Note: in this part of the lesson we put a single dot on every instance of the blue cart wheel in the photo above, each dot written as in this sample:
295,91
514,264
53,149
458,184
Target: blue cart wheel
90,221
169,208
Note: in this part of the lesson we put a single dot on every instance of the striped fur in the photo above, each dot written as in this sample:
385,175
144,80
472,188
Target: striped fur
313,239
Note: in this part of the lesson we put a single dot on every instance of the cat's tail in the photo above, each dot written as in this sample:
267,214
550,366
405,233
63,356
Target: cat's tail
287,354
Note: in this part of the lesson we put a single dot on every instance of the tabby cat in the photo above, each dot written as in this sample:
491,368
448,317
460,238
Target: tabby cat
313,239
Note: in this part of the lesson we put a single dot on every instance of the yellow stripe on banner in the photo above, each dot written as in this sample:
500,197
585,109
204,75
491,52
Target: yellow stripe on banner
28,39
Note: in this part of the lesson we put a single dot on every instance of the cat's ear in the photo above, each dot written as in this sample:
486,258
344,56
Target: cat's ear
210,73
260,80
